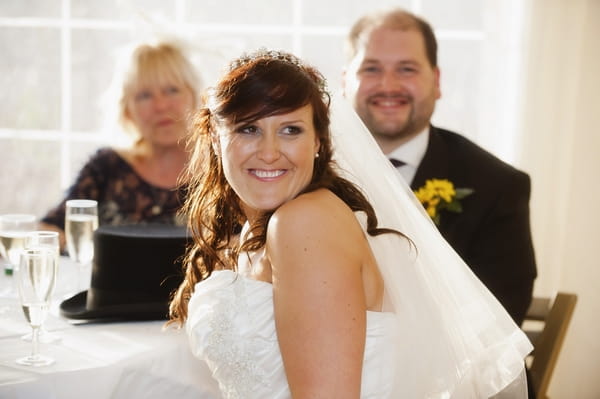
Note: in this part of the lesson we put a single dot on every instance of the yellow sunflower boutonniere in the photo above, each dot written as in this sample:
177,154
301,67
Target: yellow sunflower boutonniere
439,194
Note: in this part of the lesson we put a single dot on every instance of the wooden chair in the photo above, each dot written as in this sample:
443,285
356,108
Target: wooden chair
547,341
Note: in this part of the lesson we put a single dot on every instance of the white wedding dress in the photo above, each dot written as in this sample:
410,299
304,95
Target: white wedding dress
231,326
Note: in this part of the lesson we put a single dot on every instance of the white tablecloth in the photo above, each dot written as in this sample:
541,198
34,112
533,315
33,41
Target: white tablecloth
97,360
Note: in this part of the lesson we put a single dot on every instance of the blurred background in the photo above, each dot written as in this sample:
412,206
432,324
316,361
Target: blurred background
519,77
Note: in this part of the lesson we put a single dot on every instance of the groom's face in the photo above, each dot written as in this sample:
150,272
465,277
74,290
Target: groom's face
392,85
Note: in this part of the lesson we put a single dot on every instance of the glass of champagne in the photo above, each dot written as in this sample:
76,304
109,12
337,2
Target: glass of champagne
36,278
81,219
44,240
13,230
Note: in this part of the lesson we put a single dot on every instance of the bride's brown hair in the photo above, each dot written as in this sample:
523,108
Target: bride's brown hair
258,85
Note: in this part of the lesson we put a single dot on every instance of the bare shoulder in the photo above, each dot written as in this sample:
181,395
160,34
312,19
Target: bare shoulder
315,226
318,212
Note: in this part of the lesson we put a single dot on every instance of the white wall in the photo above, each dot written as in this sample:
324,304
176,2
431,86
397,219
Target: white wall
561,151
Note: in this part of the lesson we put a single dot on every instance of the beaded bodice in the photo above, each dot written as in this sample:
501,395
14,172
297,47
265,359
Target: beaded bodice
231,326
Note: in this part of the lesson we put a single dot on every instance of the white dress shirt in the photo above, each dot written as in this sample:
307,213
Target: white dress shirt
411,153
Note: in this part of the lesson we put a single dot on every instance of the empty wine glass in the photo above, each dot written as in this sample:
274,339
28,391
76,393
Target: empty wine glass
36,278
44,240
13,230
81,219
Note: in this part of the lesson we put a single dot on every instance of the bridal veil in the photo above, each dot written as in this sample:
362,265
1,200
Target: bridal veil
456,340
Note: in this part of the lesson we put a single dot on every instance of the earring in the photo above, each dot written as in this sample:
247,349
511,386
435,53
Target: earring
317,155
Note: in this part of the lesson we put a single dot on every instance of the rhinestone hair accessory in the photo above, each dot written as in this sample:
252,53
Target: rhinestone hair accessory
278,55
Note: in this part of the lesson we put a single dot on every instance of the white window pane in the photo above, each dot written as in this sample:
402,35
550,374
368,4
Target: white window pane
30,78
30,8
456,14
330,66
232,45
93,61
460,66
256,12
343,13
275,42
33,185
121,9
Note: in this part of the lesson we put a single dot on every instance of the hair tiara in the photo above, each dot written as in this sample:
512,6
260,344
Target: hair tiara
279,55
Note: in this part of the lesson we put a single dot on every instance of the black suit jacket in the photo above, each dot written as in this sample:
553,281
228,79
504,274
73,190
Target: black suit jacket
492,234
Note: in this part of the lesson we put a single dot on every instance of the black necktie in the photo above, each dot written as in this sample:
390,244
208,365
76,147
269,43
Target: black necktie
397,163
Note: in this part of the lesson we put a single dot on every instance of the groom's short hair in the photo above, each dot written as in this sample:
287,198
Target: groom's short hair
398,19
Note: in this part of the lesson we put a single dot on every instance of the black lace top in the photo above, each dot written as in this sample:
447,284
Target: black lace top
123,196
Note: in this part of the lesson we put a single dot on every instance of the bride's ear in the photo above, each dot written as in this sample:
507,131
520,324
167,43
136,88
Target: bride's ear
317,146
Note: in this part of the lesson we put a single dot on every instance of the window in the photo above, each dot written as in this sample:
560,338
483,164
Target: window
58,56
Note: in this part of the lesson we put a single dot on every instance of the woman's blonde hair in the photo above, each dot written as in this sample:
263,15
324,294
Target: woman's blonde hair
150,64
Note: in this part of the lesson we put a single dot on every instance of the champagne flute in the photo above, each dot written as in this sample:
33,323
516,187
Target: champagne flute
36,278
81,219
13,230
44,240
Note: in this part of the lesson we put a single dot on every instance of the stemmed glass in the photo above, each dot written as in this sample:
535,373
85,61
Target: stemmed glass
81,219
13,230
36,278
44,240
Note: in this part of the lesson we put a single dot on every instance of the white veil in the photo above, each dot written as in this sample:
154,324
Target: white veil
456,340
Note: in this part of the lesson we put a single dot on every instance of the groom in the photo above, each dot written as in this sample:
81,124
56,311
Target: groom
393,81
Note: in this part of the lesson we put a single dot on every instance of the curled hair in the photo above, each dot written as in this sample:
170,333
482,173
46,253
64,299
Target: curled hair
258,85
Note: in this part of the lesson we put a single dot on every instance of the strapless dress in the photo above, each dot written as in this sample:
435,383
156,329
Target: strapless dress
231,327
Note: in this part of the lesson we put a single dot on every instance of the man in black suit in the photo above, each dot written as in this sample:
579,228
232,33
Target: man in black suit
392,79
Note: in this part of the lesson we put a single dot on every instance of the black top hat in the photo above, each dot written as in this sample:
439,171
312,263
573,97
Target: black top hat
135,269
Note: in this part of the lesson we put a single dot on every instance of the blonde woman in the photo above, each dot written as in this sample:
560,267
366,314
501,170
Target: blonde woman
138,184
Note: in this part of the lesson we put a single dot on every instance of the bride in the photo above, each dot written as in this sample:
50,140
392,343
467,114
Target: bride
338,285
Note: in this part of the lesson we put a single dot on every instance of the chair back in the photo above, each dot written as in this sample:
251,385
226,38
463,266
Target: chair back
548,341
